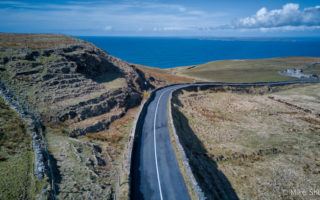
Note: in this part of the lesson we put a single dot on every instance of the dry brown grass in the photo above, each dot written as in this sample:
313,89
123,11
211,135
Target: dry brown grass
165,76
35,41
266,149
305,97
117,135
78,177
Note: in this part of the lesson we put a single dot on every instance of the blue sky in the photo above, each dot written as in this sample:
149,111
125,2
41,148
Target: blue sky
218,18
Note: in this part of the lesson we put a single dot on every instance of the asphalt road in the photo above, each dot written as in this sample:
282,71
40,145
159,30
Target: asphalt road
156,173
154,169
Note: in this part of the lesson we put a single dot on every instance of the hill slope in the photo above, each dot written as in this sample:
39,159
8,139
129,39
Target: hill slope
265,145
68,80
76,89
248,70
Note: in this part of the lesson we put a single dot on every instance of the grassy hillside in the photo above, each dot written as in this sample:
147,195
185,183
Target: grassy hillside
16,158
35,41
249,70
266,146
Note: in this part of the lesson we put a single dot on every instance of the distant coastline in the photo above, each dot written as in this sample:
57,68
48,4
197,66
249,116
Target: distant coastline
169,52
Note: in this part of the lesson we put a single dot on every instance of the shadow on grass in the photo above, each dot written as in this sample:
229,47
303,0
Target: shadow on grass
212,181
54,176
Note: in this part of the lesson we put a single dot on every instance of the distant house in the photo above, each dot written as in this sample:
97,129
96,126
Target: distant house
298,73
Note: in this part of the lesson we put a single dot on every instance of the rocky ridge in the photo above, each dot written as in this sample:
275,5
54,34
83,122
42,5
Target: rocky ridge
72,84
82,97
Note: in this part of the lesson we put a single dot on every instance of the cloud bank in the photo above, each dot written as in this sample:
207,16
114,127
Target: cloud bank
154,17
289,17
102,17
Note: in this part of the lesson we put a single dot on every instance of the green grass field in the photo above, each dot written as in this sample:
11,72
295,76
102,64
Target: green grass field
16,158
249,70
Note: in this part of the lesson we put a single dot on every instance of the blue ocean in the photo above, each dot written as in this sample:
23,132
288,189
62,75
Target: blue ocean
165,52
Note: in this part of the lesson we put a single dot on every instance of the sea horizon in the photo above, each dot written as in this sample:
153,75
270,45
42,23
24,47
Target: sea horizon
170,52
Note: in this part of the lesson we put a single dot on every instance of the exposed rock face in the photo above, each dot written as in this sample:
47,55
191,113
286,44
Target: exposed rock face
74,89
72,83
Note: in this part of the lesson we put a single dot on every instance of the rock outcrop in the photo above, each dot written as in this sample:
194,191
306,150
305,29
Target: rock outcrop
74,89
73,83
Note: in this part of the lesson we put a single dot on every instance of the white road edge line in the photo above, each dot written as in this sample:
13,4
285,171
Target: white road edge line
155,143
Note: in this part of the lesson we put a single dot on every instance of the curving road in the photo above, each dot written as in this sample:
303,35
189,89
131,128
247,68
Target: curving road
155,173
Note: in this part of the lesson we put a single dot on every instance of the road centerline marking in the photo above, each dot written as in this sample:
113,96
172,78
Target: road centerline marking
155,142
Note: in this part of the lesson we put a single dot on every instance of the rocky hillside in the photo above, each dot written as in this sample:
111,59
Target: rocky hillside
69,81
72,88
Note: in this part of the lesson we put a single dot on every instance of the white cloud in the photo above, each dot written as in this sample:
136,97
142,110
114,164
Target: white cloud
289,17
101,18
